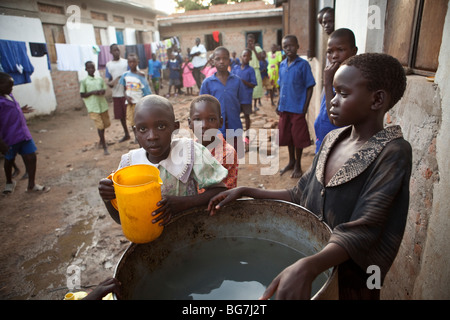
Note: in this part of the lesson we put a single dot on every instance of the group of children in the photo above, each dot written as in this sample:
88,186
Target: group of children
358,182
128,85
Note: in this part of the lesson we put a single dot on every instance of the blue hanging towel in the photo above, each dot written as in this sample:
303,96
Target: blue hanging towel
15,61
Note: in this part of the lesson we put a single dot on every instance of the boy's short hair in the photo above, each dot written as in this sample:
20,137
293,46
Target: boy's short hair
88,62
291,36
383,72
207,98
157,100
111,46
133,55
221,48
345,33
247,49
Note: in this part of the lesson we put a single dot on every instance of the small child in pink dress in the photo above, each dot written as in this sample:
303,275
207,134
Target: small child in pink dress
188,78
209,69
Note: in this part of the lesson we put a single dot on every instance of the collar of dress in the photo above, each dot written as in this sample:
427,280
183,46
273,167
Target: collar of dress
360,161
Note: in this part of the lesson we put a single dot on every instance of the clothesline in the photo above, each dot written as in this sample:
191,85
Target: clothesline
15,61
72,57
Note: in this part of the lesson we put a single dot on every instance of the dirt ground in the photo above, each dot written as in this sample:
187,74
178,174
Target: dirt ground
44,236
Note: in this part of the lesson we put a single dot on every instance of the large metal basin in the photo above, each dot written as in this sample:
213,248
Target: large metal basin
277,221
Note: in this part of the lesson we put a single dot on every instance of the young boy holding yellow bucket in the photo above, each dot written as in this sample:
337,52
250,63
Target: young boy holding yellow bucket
183,164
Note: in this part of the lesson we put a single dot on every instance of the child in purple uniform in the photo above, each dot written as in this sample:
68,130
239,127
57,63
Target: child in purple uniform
15,137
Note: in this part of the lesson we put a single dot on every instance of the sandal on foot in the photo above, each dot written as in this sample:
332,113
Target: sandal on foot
9,188
39,189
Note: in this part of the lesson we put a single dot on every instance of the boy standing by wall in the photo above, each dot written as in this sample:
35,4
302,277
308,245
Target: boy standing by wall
92,90
296,87
114,70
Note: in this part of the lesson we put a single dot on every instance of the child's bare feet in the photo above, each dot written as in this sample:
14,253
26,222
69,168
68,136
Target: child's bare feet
290,166
297,173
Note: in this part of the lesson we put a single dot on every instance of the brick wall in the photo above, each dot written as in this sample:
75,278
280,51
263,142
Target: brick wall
67,89
233,32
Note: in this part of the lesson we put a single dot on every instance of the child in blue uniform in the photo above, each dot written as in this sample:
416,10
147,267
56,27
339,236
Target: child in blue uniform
296,87
248,77
230,91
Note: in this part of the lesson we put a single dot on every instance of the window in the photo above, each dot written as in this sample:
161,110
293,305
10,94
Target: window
414,31
99,16
48,8
258,38
118,19
119,36
213,40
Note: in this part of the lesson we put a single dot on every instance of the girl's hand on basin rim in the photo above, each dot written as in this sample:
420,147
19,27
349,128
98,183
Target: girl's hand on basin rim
223,198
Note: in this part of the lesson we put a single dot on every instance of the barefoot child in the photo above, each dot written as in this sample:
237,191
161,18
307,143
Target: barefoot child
205,120
296,88
358,183
92,90
155,124
15,137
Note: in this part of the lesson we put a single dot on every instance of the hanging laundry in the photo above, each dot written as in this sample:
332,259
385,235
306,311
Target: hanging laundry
161,54
15,61
104,56
39,50
87,53
143,64
216,36
154,46
176,41
148,51
68,57
130,49
168,43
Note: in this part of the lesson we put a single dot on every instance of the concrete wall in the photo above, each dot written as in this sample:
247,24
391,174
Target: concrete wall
39,93
433,281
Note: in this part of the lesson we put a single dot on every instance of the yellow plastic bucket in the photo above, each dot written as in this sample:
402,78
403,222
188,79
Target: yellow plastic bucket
138,190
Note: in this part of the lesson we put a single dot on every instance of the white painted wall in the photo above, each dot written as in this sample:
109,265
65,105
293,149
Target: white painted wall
39,93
